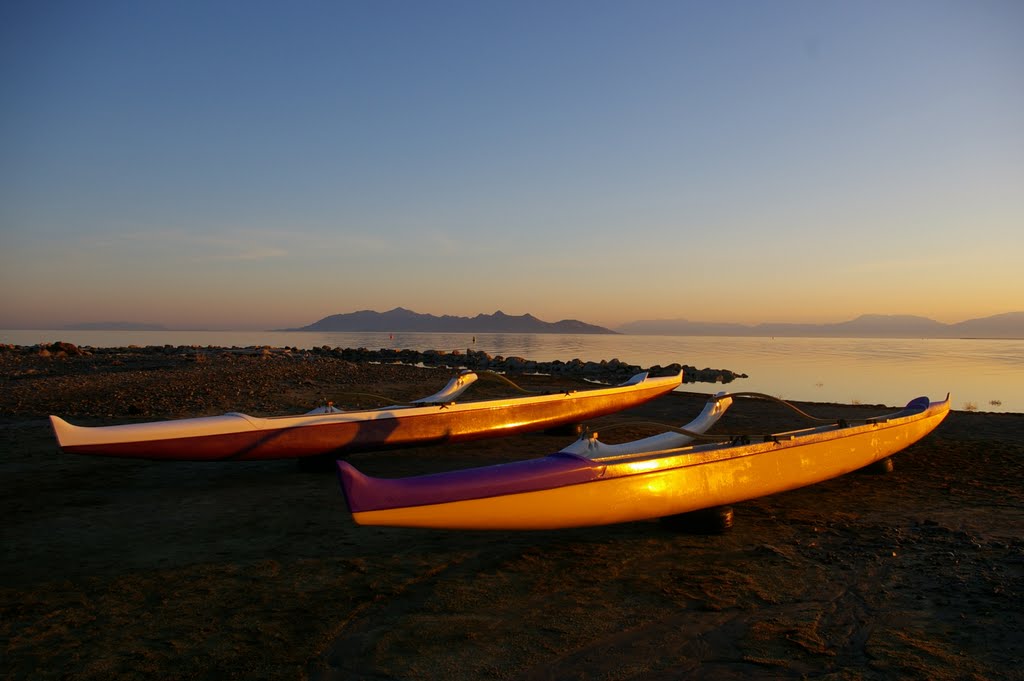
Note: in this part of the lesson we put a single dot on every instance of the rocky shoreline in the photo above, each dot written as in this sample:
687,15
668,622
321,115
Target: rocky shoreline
192,380
476,360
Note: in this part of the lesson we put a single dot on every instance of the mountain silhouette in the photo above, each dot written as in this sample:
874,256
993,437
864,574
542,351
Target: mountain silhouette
401,319
1008,325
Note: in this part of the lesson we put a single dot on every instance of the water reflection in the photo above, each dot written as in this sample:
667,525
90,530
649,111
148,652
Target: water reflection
864,370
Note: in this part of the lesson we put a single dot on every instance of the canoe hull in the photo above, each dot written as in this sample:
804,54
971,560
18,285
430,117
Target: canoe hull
668,483
241,437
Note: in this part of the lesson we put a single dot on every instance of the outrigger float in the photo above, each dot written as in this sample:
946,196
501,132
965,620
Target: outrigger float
435,419
591,483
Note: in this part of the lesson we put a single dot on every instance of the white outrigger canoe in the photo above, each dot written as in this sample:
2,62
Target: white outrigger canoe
438,418
590,483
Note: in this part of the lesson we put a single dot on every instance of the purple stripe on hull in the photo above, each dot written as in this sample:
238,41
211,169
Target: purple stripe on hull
364,493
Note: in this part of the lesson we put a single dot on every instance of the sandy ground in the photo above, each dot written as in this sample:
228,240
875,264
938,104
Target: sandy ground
157,570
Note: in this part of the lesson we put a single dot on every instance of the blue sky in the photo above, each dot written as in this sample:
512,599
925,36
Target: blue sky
265,164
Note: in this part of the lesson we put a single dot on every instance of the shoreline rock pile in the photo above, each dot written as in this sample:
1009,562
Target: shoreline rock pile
610,371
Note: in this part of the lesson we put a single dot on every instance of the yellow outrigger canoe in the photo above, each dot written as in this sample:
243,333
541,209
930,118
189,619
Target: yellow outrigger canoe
572,488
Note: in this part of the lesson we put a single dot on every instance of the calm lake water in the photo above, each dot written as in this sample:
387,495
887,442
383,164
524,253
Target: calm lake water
986,375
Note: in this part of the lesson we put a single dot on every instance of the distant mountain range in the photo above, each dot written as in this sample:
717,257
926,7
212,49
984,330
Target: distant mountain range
400,319
1008,325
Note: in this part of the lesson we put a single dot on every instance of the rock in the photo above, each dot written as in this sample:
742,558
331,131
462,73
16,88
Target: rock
68,348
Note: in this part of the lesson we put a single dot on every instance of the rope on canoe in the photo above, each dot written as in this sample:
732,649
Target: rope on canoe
666,427
382,398
504,379
392,400
777,400
718,437
480,374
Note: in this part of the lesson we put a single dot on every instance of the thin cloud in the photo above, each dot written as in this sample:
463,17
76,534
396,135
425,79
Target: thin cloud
234,245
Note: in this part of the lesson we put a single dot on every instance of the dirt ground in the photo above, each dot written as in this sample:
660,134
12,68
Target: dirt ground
166,570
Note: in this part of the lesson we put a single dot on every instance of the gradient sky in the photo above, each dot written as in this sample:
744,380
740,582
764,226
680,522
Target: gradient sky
264,164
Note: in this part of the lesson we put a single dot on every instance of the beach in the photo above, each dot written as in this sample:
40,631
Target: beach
138,569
